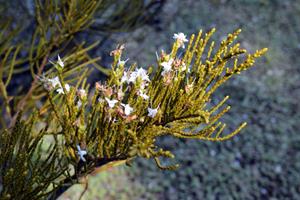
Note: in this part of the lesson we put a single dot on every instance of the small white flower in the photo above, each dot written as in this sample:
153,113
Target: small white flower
54,81
132,77
125,78
127,109
60,62
157,56
122,62
152,112
167,66
61,90
142,74
81,153
139,73
111,103
67,86
181,38
81,93
49,83
143,95
100,100
79,104
189,70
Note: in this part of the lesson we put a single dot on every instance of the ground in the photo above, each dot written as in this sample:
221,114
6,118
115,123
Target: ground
262,162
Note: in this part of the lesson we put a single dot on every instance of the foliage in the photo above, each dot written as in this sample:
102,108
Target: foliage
26,171
117,120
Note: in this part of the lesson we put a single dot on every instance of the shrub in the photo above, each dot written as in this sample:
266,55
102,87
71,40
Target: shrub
63,128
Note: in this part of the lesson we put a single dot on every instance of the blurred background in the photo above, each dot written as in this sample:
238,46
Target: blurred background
263,162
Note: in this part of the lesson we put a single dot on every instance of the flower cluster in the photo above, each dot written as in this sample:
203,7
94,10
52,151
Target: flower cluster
55,83
137,80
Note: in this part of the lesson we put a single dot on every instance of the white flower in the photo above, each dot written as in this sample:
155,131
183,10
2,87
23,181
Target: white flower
139,73
54,81
143,95
122,62
79,104
61,90
167,66
157,56
67,87
111,103
152,112
49,83
181,38
81,93
142,74
127,109
100,100
81,153
125,78
60,62
132,77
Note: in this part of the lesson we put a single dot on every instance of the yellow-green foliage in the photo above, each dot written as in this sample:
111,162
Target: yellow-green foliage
112,121
116,120
28,170
180,95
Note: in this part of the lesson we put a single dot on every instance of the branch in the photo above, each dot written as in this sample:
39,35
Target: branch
34,83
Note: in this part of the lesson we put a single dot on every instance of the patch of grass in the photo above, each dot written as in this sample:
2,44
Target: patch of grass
116,183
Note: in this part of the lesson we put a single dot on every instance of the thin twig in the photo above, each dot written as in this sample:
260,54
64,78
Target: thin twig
24,100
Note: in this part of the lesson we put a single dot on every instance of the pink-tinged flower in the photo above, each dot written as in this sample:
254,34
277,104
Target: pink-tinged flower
120,94
180,38
167,66
111,103
127,109
152,112
81,153
81,93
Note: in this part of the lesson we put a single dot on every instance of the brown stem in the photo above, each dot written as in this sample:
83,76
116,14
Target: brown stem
34,83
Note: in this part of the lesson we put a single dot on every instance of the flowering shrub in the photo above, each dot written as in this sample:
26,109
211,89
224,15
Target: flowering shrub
121,118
